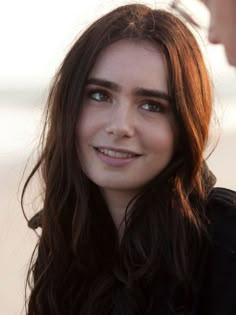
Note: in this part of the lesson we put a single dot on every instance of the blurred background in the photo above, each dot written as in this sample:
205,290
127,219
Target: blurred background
35,36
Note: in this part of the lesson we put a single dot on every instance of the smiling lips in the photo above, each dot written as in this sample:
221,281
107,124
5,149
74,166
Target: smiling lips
116,156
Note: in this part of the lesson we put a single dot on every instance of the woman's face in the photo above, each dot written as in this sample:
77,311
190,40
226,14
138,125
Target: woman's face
126,130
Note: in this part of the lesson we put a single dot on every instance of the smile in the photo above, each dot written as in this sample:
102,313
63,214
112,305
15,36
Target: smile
115,157
116,154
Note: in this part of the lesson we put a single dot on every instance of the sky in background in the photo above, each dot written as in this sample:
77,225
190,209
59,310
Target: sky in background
35,35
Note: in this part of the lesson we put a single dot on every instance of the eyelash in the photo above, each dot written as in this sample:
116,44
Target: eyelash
156,107
104,96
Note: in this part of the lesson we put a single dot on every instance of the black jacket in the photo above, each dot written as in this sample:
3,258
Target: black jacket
215,287
217,295
216,290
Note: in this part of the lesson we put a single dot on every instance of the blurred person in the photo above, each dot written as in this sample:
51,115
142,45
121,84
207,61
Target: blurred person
131,221
222,26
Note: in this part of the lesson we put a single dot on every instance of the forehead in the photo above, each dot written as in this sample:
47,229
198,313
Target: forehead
132,62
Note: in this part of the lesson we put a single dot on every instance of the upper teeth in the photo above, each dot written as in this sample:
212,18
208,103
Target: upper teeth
116,154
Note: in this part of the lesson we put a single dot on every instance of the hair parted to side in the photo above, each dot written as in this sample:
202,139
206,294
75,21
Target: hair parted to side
79,266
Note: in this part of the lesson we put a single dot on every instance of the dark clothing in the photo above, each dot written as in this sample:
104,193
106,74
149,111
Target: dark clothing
218,290
215,287
215,291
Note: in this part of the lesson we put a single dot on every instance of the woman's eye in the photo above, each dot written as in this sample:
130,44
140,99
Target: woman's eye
99,96
153,107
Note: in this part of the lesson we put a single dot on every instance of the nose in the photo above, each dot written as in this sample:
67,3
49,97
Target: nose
121,121
213,36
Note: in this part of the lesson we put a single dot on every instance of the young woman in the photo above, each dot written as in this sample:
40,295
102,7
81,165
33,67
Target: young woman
131,223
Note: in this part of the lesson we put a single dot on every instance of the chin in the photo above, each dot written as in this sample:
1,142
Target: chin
231,57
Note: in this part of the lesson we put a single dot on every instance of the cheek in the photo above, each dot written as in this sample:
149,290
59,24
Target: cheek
85,126
82,133
92,119
162,139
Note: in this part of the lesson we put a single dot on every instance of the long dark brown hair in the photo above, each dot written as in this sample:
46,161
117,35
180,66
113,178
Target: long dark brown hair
79,265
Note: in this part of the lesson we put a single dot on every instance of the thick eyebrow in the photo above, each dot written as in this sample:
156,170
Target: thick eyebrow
137,91
152,93
104,83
